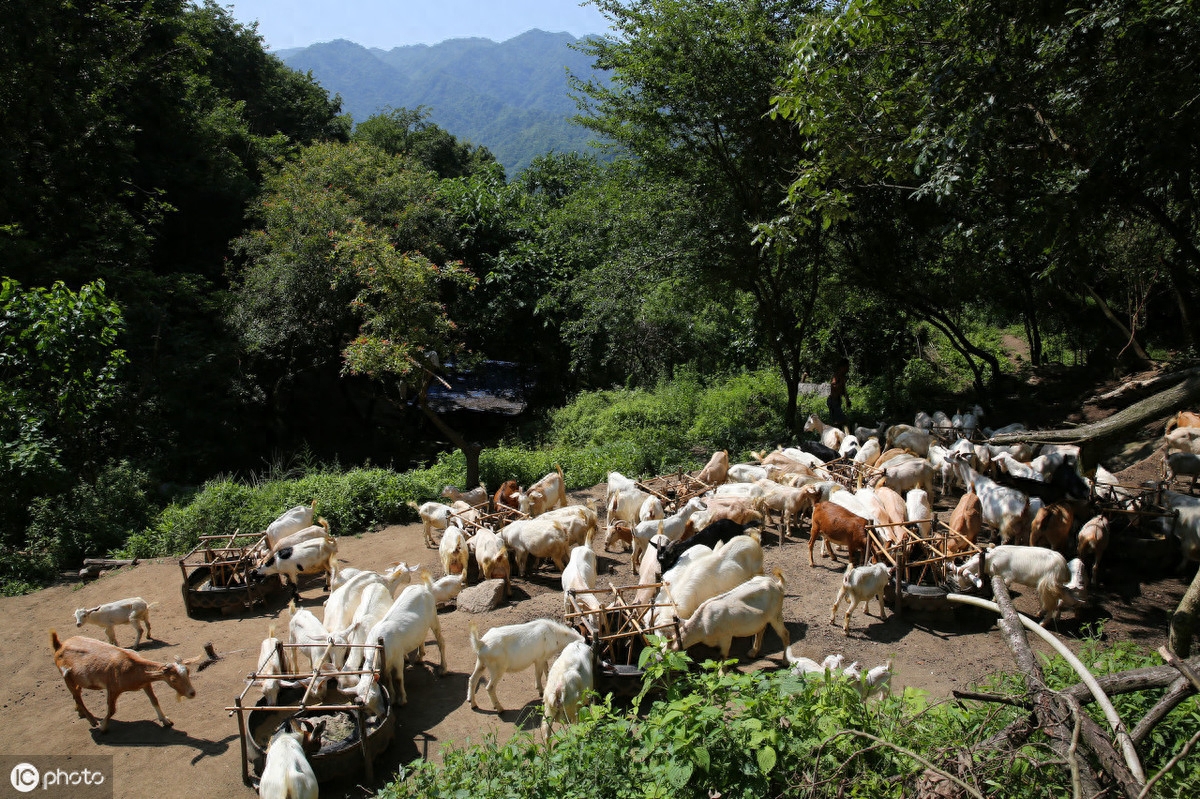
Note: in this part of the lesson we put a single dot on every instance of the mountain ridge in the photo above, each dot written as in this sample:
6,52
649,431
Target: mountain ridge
511,97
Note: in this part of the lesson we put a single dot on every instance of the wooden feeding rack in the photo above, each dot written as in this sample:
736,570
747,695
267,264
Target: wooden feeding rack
849,473
493,521
1130,505
615,630
216,573
921,563
674,490
257,722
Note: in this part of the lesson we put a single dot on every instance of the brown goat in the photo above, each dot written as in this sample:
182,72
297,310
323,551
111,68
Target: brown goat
716,470
507,497
1052,527
967,520
95,665
838,526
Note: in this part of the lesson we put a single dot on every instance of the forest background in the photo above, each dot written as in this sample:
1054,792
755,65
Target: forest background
213,278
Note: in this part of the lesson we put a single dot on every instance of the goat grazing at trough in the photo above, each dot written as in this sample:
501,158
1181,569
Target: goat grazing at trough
315,556
737,509
1043,570
290,521
831,437
789,502
132,611
730,565
373,606
507,497
746,473
512,648
546,494
1091,544
919,509
316,640
837,525
453,550
402,630
570,680
88,663
286,772
270,662
539,538
447,588
477,497
492,555
869,452
317,531
674,527
816,448
651,509
906,475
966,520
715,533
1003,508
742,611
849,447
619,532
861,584
1052,527
716,471
580,575
907,437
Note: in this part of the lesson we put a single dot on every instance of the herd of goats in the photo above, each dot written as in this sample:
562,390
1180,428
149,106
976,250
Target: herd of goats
699,564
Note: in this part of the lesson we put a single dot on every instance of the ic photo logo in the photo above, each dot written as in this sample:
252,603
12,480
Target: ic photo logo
24,777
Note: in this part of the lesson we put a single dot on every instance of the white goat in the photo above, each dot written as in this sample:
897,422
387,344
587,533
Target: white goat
1043,570
133,611
861,584
515,647
287,773
570,679
745,610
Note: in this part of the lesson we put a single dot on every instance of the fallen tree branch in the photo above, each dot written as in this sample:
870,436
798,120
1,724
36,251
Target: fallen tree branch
1126,682
1180,755
969,789
1093,438
1180,690
997,698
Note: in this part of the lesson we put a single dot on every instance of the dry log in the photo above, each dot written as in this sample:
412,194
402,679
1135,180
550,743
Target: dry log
108,563
1053,712
1125,682
1095,437
1183,620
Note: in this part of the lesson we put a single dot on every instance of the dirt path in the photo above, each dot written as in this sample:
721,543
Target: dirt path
937,653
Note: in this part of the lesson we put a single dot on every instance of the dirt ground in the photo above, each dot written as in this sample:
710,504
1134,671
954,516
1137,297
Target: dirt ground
934,652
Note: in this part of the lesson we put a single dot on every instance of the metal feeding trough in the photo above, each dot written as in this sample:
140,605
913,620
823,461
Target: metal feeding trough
921,563
217,574
353,737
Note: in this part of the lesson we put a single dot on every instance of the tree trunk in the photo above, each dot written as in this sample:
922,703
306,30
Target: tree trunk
1095,437
470,449
1183,622
1129,335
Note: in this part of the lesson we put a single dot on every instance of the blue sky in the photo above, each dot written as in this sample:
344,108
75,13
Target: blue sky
392,23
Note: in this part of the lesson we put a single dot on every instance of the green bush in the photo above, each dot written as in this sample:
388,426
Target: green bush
769,734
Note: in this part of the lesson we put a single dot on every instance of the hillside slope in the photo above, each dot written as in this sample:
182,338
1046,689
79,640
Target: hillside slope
510,96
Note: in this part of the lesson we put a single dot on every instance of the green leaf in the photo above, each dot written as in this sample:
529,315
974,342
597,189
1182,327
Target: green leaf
766,759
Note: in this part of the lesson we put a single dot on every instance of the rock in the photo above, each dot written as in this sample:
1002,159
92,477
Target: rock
481,598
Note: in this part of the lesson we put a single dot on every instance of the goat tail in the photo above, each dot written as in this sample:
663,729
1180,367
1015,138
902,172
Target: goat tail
787,654
427,578
1172,423
152,606
758,456
321,521
561,479
292,606
271,631
54,642
474,634
846,575
777,573
591,533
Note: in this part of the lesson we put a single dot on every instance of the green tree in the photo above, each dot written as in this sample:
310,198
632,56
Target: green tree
59,376
409,133
345,277
690,86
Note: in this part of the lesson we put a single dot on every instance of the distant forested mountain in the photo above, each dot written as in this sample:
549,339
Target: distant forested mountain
510,97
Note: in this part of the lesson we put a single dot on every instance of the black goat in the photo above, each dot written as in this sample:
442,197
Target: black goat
718,532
